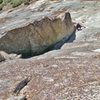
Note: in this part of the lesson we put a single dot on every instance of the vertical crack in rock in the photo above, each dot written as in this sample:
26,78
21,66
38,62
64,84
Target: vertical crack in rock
16,93
21,85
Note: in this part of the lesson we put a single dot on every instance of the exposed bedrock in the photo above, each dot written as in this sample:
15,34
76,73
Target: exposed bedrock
34,37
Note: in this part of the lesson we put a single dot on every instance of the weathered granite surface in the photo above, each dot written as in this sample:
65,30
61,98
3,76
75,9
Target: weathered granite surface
5,56
70,73
29,31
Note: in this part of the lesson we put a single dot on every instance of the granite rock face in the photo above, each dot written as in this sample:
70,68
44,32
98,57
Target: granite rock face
70,73
29,32
73,72
5,56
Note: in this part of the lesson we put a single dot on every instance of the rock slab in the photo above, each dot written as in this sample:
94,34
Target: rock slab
29,32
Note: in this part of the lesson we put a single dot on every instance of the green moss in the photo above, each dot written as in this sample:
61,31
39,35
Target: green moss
16,3
5,2
1,1
0,6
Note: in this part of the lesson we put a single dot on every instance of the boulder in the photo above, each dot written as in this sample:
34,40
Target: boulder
5,56
30,33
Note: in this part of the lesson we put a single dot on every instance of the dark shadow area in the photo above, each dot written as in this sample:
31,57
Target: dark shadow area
59,44
71,38
55,46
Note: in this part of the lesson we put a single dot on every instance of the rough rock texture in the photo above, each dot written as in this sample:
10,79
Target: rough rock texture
70,73
30,32
5,56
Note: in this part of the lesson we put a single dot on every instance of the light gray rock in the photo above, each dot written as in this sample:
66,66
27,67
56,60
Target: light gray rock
5,56
16,98
70,73
29,32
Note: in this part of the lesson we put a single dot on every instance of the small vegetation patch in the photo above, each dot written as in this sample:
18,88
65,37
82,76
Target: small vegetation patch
16,3
13,3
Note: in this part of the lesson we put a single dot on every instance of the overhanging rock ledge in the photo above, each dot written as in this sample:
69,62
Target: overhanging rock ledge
31,36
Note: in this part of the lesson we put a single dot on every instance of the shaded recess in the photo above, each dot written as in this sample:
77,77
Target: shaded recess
35,37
